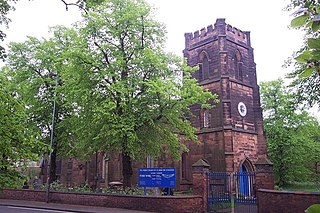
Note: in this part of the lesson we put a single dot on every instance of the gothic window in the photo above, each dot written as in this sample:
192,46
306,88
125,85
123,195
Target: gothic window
200,73
58,167
184,166
70,164
69,172
240,71
206,118
105,165
204,66
238,66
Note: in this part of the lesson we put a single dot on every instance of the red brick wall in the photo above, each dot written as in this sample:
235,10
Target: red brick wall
29,195
200,187
271,201
177,204
264,180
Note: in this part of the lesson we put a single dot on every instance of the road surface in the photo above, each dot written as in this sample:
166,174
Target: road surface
17,209
20,206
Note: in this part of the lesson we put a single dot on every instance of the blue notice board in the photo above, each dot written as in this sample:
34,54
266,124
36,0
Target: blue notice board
157,177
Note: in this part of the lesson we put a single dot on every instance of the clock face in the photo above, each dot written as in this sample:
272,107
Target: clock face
242,109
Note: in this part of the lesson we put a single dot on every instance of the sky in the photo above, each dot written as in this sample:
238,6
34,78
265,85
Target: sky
272,40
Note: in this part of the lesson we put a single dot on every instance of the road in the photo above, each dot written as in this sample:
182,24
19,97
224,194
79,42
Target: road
22,206
17,209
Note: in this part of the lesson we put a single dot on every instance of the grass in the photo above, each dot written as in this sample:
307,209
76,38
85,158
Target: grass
305,187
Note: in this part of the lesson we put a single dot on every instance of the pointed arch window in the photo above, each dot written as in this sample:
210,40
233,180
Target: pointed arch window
204,66
238,66
184,166
206,118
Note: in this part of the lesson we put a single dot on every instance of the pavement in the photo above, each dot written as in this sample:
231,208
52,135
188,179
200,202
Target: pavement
64,207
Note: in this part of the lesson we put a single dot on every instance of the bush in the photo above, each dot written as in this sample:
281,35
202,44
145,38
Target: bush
11,179
305,186
315,208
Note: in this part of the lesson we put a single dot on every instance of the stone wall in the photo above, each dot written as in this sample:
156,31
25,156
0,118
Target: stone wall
165,204
270,201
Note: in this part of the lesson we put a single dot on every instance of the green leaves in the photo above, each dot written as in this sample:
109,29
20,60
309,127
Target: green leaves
139,106
118,90
292,134
314,43
315,26
306,73
313,208
311,57
305,69
299,21
18,144
310,22
305,56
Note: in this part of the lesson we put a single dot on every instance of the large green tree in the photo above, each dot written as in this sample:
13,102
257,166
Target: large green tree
292,134
32,81
17,144
131,95
34,67
119,90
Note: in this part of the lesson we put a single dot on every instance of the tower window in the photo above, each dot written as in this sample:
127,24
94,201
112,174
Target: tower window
204,66
206,120
200,76
184,167
238,66
240,71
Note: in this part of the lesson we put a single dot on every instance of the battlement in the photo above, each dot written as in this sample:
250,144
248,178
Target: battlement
201,33
204,32
220,28
234,32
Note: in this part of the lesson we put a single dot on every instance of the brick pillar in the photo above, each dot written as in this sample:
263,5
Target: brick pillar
264,174
199,180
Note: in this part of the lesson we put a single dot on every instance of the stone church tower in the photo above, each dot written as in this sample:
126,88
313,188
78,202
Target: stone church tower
231,134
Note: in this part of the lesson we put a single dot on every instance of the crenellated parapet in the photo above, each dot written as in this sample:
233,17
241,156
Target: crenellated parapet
237,34
199,35
220,28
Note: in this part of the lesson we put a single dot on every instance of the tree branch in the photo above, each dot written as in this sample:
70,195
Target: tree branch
81,7
103,52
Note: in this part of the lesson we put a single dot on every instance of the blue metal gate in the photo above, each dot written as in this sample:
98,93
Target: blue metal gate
245,192
218,191
231,192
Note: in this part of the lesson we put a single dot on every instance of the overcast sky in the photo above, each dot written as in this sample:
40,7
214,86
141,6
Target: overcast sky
271,39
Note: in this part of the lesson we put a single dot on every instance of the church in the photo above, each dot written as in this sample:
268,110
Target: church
231,134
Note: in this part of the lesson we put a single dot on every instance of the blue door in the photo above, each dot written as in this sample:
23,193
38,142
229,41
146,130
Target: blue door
244,181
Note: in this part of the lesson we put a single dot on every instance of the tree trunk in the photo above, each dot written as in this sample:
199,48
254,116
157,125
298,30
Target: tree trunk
126,170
